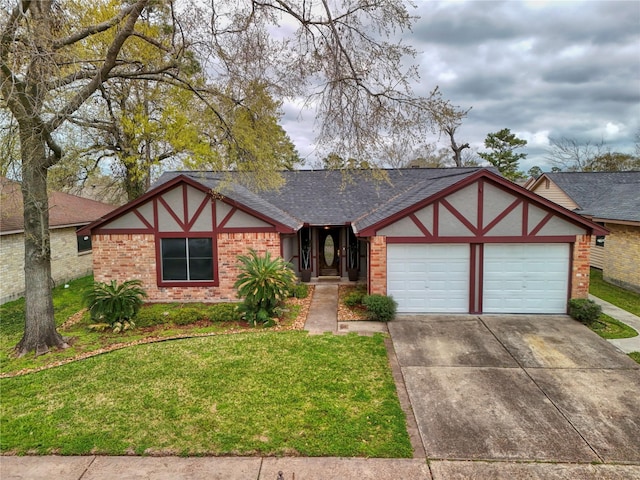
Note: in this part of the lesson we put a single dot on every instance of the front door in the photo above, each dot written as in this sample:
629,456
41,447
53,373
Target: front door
329,257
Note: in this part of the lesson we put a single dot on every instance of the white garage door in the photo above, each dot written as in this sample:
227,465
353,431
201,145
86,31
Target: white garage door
428,278
525,278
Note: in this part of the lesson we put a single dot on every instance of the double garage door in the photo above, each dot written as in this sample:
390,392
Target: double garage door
514,278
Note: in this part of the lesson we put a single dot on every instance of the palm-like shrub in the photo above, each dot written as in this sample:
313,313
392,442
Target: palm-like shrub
264,283
113,305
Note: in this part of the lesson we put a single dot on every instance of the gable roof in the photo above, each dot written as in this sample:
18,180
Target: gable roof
64,210
333,197
346,197
600,195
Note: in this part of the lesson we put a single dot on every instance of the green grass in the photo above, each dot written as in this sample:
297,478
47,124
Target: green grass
635,356
625,299
267,393
608,327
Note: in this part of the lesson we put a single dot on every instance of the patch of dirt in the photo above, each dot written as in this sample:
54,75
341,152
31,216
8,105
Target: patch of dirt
73,319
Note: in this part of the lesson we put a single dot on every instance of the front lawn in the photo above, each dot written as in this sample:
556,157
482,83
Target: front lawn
625,299
73,322
264,393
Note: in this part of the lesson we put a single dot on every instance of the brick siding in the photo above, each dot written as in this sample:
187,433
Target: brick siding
622,256
580,268
378,265
66,263
133,256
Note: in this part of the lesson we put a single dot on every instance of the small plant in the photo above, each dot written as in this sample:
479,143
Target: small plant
300,290
186,316
355,298
222,312
264,283
114,305
380,307
584,310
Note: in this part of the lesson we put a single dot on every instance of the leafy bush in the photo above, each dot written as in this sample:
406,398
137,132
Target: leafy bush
380,307
186,316
264,283
152,315
115,305
584,310
222,312
354,298
300,290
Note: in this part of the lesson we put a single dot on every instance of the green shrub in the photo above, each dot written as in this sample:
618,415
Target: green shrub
354,298
222,312
300,290
186,315
115,305
264,283
584,310
152,315
380,307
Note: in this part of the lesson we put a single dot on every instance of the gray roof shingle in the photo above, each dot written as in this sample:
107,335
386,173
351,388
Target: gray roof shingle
606,195
333,197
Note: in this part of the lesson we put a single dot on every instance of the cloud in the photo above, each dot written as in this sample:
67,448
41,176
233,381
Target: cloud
542,69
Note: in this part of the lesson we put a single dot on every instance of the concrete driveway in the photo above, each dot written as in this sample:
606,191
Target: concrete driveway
518,387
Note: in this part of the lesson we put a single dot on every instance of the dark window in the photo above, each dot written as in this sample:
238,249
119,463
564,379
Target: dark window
84,243
187,259
600,241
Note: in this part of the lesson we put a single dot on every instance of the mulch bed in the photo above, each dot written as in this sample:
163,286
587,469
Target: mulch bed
349,314
297,324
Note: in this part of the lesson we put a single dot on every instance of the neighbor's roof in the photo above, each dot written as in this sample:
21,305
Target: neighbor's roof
64,210
602,195
334,197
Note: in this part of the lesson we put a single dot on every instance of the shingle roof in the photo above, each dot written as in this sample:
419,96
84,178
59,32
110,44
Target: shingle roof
64,209
331,197
605,195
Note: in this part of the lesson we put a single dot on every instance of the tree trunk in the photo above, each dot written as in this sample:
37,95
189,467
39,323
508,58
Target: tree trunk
40,328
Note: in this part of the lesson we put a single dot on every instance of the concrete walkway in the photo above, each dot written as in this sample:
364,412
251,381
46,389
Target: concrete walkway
323,315
627,345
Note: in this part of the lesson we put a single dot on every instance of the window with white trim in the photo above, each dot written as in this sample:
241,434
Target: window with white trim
187,259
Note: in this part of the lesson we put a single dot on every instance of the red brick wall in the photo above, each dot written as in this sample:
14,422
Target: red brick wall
378,265
580,267
131,256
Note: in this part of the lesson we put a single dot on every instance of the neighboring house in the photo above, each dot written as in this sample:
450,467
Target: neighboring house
70,254
437,240
611,199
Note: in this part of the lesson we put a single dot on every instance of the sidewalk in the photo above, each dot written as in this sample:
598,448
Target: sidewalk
627,345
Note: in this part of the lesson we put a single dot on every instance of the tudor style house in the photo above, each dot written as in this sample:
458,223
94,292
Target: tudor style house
437,240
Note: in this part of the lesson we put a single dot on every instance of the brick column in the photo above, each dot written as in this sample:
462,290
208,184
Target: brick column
378,265
580,267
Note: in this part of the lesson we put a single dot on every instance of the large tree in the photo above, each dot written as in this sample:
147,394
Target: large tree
502,155
56,56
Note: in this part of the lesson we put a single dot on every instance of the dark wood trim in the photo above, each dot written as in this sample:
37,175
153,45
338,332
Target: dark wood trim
180,222
198,212
471,227
420,225
480,219
227,217
525,218
501,216
142,219
482,239
542,223
247,229
486,176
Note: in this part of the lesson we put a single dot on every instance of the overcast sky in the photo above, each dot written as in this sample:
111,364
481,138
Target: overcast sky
540,68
